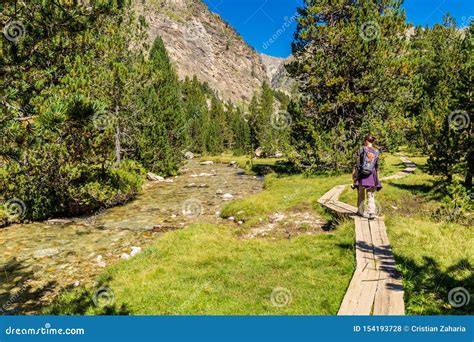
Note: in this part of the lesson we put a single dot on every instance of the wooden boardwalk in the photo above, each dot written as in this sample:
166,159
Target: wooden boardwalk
376,287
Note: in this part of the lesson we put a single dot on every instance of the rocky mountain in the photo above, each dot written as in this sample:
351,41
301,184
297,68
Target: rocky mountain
272,64
201,43
276,72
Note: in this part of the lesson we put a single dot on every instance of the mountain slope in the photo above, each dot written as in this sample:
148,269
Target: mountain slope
200,43
276,72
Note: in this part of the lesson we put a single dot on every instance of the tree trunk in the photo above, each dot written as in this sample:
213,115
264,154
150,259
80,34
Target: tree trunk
470,170
118,147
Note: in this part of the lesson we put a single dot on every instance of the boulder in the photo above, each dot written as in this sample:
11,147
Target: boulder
154,178
189,155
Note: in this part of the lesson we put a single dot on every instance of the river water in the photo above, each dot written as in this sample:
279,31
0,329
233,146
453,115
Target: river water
38,260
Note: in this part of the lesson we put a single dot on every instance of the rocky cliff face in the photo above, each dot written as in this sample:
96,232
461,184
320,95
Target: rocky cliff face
200,43
279,77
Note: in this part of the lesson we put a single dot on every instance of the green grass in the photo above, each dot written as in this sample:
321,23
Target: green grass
208,269
433,257
205,269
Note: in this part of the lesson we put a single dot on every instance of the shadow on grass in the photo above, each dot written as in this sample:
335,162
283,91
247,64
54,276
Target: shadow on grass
280,168
80,302
427,287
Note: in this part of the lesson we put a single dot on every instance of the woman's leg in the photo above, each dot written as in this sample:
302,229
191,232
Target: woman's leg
371,208
360,200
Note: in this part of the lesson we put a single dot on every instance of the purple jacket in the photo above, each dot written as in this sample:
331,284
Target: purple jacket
371,180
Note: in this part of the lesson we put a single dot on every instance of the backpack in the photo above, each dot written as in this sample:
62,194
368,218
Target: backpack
368,161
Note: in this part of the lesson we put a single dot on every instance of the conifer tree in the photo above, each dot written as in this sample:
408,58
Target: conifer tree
349,65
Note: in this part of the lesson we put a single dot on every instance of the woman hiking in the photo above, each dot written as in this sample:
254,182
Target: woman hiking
366,177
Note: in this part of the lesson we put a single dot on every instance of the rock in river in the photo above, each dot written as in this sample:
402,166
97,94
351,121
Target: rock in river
42,253
207,162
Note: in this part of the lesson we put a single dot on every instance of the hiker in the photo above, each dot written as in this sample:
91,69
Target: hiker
366,177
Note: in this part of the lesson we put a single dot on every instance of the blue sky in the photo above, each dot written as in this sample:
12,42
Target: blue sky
258,20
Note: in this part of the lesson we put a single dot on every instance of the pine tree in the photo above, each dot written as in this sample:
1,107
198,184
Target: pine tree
350,67
442,104
161,134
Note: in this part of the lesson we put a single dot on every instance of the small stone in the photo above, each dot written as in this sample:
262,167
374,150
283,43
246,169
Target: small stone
135,251
207,162
189,155
227,196
124,256
231,218
154,178
233,163
240,222
48,252
77,283
58,222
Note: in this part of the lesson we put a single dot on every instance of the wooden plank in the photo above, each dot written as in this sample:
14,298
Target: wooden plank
375,287
389,295
328,195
